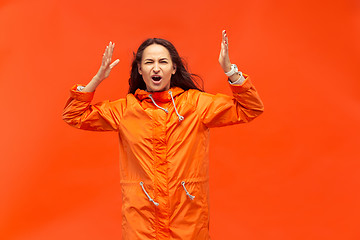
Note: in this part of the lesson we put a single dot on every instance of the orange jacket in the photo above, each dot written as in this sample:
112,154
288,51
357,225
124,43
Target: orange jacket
164,149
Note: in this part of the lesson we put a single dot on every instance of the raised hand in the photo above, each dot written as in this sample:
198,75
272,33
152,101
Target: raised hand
104,70
106,64
224,59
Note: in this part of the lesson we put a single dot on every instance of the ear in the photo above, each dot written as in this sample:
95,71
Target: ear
139,69
174,69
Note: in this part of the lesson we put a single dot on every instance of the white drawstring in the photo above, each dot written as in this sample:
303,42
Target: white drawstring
150,199
164,109
150,96
187,193
179,116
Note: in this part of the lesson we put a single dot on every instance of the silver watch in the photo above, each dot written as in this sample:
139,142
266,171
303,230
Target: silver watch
233,70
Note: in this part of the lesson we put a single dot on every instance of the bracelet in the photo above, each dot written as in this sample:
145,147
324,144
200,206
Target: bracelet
239,81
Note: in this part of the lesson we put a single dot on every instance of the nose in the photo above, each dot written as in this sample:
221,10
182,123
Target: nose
156,68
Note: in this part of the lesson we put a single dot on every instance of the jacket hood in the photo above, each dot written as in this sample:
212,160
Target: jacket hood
163,96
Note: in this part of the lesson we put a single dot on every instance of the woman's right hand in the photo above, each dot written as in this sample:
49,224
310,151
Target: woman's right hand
106,64
104,70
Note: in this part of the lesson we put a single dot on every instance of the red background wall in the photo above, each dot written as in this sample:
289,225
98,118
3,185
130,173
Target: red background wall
293,173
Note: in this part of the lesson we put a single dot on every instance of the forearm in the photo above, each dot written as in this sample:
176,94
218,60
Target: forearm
249,103
92,85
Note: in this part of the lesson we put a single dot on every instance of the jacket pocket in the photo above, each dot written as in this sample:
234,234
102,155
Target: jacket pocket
137,212
190,209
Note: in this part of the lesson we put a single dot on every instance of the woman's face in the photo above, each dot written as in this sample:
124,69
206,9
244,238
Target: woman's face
156,68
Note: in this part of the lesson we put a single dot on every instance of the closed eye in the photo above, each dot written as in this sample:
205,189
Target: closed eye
163,60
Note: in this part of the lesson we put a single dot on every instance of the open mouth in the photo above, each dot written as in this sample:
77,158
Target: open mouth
156,79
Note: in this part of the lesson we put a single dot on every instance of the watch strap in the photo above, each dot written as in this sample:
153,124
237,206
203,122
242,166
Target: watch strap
232,71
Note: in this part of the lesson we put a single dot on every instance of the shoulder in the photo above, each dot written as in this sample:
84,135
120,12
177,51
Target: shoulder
130,100
193,93
196,97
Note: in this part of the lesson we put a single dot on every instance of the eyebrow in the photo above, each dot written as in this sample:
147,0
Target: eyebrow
150,59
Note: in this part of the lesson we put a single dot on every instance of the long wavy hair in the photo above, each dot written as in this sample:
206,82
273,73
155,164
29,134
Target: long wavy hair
182,77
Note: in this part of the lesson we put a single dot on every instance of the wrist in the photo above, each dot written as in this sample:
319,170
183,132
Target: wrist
235,77
96,78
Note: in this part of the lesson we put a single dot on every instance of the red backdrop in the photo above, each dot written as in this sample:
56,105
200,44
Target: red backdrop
293,173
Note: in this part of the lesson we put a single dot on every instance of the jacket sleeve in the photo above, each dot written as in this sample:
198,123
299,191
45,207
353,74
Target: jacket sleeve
103,116
222,110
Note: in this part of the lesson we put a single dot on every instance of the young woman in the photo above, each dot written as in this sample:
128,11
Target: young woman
163,127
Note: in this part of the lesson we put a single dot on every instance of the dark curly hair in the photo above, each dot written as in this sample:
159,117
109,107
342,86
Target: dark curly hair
182,78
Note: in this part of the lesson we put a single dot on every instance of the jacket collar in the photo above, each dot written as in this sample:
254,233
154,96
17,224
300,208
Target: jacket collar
158,96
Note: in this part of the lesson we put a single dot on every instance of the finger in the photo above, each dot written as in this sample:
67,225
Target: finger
108,50
225,38
222,45
222,39
114,63
111,50
223,42
103,57
108,54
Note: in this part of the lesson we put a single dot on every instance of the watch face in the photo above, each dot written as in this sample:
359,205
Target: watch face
235,68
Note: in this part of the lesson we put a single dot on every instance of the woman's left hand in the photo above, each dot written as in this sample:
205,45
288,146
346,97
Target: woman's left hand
224,59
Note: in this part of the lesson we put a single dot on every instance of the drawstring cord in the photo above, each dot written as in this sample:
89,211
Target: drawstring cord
179,116
157,204
187,193
150,199
150,96
164,109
